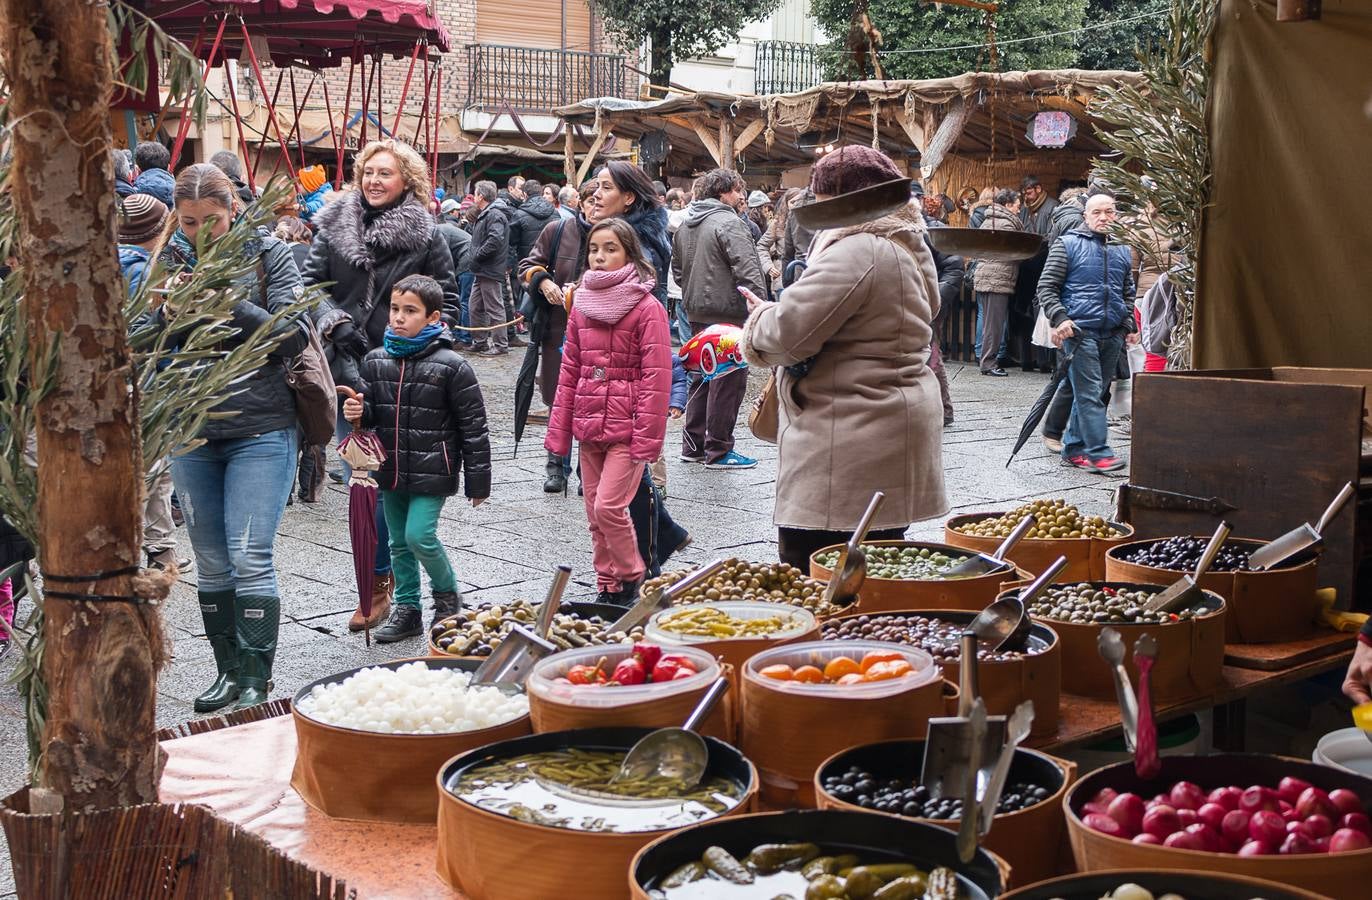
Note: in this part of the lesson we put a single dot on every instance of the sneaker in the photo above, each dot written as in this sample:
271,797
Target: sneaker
1081,461
732,460
166,559
1052,443
405,622
610,597
628,593
518,341
178,517
947,419
689,458
998,372
1108,464
495,351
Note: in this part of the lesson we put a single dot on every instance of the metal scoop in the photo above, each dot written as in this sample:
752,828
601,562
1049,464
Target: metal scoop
653,600
1111,647
1004,625
1299,539
676,753
851,569
984,564
513,661
1020,723
1187,590
948,748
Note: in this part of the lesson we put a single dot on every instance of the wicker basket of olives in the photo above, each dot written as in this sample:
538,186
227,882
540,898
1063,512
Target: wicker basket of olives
1190,642
1060,529
911,575
740,580
476,632
1273,606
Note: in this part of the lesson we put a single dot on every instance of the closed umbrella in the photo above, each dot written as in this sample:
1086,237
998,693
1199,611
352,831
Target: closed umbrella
1036,412
362,451
524,382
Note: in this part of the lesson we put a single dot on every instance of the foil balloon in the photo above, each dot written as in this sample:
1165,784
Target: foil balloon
715,351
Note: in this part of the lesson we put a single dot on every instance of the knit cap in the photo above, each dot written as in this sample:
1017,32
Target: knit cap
312,178
141,217
852,167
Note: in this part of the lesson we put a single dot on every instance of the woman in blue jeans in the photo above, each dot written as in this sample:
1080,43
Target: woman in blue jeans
234,485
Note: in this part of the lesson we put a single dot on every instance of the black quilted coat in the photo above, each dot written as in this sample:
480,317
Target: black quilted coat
427,410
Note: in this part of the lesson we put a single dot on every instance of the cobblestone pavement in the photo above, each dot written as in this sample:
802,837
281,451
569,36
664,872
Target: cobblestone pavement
508,546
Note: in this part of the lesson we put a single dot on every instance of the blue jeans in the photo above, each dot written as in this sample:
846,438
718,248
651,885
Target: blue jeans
233,493
464,291
383,537
683,323
1094,357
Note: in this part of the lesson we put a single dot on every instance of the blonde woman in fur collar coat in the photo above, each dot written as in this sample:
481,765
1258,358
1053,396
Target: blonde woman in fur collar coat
867,415
365,242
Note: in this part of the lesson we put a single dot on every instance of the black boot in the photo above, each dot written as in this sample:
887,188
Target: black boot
556,482
446,603
405,622
216,609
259,621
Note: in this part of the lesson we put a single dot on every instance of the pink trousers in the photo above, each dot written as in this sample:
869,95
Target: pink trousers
6,604
609,481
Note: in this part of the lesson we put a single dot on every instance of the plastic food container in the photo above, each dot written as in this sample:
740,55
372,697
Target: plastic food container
797,624
789,728
554,706
1347,749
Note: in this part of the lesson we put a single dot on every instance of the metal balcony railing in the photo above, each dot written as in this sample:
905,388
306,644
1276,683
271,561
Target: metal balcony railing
530,79
784,67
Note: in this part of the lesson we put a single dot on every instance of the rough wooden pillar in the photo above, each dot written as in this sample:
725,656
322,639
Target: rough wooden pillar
726,141
99,746
569,155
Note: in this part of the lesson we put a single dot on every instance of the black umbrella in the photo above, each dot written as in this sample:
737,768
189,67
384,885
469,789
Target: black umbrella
1036,412
524,382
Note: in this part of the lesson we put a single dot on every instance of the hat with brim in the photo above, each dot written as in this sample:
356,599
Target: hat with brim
855,207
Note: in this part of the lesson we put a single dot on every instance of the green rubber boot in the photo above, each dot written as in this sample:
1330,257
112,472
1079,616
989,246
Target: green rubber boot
216,609
259,620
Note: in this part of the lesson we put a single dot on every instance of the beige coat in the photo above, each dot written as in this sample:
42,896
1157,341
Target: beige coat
867,416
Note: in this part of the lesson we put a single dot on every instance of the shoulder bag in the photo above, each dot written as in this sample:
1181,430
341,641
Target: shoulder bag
309,378
764,417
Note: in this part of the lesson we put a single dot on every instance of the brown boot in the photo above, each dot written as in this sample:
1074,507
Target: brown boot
382,588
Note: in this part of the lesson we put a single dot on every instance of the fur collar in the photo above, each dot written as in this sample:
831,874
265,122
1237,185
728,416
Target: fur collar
905,227
405,229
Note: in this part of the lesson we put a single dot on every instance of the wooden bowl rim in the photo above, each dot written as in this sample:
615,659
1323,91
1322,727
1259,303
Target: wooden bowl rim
939,613
1008,567
1217,611
1113,554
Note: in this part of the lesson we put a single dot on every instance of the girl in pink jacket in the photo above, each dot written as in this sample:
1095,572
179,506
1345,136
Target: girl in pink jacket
612,395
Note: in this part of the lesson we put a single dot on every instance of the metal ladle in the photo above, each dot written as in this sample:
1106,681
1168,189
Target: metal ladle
676,753
1005,623
851,569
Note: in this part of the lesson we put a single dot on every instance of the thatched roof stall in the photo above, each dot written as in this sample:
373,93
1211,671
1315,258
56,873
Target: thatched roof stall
970,128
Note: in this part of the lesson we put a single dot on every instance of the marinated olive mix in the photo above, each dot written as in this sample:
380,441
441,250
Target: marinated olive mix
1087,604
908,798
939,638
1182,553
742,580
1052,519
479,631
904,563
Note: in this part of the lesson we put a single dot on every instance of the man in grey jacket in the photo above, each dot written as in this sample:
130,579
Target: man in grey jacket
490,259
713,255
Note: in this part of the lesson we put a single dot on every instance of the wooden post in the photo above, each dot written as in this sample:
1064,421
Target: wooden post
726,141
100,663
569,155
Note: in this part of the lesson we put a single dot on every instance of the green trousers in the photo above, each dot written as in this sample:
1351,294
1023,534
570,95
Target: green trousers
413,522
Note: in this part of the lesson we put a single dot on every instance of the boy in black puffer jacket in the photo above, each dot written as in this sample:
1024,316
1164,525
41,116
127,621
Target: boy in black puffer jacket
425,405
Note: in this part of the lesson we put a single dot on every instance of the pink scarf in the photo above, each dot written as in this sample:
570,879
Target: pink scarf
608,296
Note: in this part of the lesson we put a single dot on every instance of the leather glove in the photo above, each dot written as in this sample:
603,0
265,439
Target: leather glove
347,339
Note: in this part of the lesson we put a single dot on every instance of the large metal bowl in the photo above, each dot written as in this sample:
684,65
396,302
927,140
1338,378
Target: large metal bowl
977,243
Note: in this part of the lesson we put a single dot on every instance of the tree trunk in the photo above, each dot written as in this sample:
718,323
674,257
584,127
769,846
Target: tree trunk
660,65
101,658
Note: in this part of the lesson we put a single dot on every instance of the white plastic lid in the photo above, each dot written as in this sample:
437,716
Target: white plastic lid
795,620
543,684
819,653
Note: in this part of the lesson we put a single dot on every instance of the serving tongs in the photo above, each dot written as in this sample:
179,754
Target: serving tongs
1299,540
1187,590
650,601
953,747
1021,721
1146,762
1111,647
513,660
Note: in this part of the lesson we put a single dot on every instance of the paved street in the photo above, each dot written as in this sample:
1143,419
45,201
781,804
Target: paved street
507,547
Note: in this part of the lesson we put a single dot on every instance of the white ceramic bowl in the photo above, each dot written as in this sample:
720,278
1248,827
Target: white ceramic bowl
1347,748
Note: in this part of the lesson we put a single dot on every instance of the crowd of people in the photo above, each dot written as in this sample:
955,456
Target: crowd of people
418,289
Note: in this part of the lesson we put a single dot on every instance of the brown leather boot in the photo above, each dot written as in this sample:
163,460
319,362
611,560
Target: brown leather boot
383,586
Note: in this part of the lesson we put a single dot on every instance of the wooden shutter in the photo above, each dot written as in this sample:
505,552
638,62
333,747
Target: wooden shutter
534,23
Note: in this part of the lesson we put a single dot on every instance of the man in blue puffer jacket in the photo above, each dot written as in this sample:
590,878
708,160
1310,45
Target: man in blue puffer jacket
1087,292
